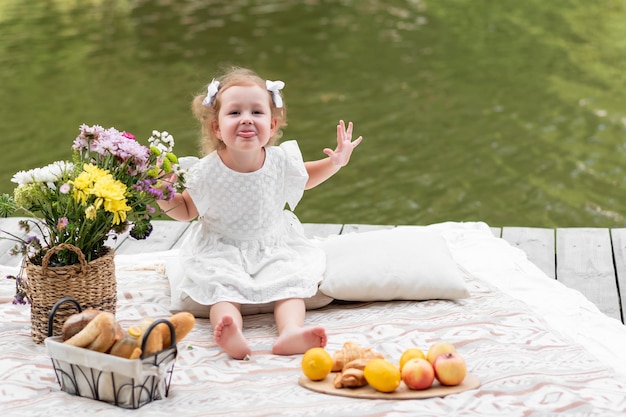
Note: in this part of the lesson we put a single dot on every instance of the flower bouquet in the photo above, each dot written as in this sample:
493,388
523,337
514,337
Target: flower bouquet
110,186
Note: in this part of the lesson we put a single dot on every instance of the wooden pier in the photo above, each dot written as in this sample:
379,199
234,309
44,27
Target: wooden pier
590,260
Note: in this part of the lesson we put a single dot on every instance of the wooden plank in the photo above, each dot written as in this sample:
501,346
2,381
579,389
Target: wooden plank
164,235
537,243
619,257
359,228
313,230
176,245
9,225
585,263
584,256
115,241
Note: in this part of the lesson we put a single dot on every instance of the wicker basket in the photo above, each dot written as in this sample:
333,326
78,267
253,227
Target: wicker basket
92,283
126,383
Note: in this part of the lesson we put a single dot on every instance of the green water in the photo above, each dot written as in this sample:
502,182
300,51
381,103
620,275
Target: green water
504,111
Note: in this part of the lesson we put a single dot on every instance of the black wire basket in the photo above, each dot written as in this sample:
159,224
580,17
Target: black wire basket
126,383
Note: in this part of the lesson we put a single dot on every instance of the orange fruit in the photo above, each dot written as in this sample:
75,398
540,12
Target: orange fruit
316,363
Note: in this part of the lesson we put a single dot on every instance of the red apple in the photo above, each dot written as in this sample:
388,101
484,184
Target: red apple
450,368
418,373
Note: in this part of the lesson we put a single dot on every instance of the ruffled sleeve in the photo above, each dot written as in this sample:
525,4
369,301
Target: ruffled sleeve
186,162
296,175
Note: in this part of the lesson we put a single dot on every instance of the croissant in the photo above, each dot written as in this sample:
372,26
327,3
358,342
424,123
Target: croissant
352,374
350,378
360,364
351,351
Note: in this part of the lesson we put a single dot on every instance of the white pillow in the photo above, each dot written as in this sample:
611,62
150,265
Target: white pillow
178,303
403,263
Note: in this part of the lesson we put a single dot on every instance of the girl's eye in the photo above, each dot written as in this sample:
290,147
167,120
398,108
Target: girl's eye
257,112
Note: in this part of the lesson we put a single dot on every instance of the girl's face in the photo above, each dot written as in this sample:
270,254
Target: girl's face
245,122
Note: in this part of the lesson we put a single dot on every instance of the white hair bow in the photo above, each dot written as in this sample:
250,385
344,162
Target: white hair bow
211,92
275,87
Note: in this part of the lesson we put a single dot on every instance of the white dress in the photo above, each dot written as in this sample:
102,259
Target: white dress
245,247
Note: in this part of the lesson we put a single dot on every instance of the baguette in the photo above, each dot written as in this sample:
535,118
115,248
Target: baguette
99,334
154,343
183,324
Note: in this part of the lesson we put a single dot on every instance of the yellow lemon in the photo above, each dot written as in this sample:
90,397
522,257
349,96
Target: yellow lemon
409,354
382,375
316,363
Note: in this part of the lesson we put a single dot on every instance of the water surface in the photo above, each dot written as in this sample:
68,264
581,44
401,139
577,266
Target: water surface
503,111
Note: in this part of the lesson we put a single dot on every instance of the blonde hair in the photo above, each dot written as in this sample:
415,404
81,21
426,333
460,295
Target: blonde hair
207,115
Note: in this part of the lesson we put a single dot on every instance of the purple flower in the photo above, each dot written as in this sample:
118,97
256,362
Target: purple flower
87,134
121,145
20,296
145,185
19,299
133,150
156,193
170,192
32,240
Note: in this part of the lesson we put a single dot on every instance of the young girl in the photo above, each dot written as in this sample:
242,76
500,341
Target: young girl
243,248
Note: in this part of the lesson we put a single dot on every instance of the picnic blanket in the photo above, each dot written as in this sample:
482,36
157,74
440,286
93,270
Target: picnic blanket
538,347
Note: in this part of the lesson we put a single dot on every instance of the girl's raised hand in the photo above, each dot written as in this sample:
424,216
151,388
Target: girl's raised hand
345,145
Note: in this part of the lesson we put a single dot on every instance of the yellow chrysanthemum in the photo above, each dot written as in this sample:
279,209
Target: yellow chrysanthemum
84,182
111,194
118,208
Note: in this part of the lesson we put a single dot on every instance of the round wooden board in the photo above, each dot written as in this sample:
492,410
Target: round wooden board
325,386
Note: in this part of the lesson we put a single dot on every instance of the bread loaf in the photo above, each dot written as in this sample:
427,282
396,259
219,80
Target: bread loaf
99,331
183,324
99,334
154,343
77,322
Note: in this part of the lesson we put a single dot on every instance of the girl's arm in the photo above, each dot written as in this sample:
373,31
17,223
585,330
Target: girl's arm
181,207
321,170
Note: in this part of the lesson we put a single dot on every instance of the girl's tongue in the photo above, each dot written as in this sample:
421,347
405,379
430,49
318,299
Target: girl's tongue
247,133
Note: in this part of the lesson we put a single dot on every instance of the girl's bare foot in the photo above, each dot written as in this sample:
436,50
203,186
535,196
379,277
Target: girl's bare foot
230,338
299,340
